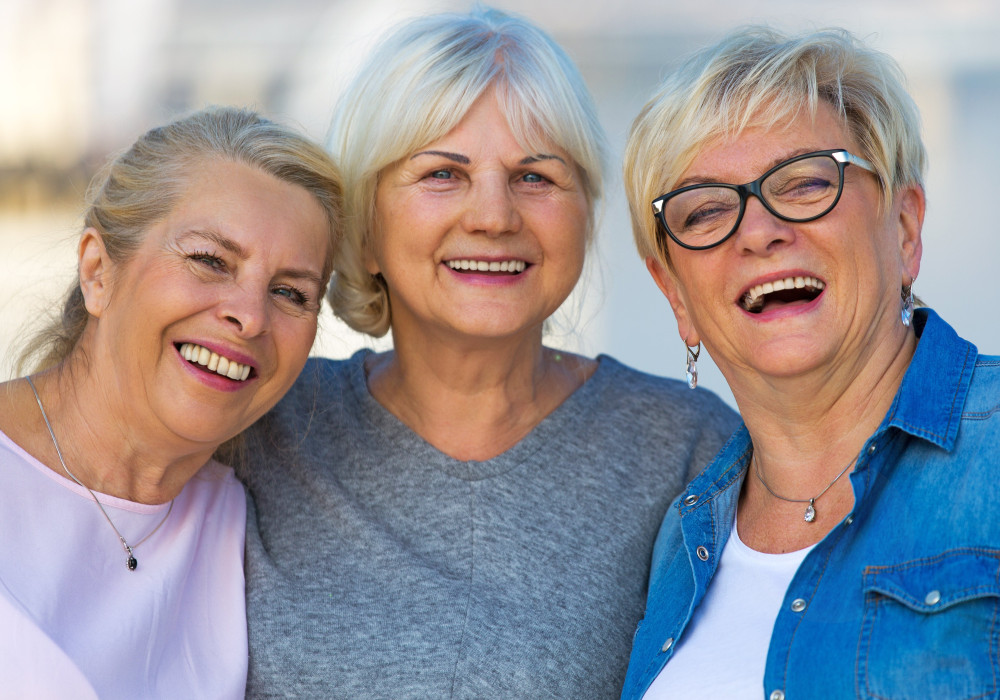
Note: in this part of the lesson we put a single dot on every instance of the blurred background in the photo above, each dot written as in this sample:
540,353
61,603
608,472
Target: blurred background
80,79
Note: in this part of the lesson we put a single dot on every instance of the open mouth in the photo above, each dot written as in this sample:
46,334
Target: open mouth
505,267
210,361
791,290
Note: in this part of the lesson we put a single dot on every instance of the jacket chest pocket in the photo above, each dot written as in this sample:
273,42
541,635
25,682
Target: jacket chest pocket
930,628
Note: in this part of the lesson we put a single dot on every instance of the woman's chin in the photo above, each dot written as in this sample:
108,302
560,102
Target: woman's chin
790,356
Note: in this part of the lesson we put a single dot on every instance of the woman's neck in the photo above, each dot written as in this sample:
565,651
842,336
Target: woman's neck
805,431
827,414
475,400
102,445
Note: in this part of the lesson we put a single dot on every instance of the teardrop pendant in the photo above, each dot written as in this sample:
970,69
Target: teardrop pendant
810,514
906,308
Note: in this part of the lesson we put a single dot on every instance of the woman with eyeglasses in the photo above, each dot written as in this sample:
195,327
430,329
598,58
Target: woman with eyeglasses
844,543
471,514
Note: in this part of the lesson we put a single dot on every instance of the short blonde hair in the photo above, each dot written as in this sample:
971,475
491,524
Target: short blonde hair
141,185
757,76
416,87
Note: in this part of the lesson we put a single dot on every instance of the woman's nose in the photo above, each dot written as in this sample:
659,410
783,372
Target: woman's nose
491,207
760,232
247,311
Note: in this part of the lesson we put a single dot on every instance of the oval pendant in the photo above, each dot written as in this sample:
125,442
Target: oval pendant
131,563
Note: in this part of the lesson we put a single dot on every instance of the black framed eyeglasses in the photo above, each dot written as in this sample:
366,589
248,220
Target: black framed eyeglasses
800,189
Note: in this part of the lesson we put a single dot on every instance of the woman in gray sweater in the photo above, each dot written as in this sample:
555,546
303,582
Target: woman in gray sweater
470,514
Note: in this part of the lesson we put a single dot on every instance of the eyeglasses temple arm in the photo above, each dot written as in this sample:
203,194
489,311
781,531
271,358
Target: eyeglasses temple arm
845,157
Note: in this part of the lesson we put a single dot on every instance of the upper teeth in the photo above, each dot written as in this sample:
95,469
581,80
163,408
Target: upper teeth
488,266
754,294
214,362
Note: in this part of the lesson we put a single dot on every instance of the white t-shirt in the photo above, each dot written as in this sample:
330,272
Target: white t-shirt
75,622
724,648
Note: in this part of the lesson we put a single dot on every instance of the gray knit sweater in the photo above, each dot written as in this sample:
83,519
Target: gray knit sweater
378,567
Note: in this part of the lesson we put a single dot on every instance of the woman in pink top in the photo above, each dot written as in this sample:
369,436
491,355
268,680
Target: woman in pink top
205,254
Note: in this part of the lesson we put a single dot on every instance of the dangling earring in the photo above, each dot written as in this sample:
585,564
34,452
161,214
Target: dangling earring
692,364
906,307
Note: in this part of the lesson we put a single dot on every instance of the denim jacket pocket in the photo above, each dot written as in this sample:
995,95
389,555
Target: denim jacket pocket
930,627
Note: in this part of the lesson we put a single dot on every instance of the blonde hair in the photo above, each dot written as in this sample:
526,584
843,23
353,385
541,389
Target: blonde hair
416,87
140,186
758,77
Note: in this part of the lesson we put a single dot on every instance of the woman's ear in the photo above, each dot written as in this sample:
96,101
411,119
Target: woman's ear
668,284
95,272
910,206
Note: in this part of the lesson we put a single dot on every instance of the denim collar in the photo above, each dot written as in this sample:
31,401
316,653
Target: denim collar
930,400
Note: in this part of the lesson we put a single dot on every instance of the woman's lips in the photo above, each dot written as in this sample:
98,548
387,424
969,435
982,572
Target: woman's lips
791,289
214,362
515,267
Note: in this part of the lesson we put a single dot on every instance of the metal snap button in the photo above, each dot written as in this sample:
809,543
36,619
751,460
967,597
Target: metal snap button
871,449
798,605
667,644
691,500
702,553
777,695
933,598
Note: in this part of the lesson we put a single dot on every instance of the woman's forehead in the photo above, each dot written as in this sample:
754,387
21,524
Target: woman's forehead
766,138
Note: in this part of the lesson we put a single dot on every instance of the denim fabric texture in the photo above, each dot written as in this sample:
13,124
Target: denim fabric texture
902,598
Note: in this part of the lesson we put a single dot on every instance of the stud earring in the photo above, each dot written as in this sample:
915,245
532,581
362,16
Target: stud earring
906,306
692,364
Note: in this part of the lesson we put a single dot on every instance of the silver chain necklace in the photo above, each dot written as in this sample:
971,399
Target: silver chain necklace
810,514
130,560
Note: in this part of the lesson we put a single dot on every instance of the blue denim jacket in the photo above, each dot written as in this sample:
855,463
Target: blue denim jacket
902,598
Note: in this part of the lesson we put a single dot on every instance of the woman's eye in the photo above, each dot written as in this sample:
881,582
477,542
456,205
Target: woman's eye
441,175
803,188
292,294
705,214
208,260
533,178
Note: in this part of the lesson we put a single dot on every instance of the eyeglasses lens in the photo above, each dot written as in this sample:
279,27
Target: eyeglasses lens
797,191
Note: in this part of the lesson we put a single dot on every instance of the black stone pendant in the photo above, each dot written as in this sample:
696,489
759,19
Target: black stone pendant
131,563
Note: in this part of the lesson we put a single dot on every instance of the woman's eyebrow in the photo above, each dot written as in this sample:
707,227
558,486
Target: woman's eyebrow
457,157
541,156
301,274
220,240
777,160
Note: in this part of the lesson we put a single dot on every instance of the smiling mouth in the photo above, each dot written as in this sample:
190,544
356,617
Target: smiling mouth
210,361
790,290
509,267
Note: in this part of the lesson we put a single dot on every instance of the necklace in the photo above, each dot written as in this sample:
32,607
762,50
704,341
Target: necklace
130,560
810,514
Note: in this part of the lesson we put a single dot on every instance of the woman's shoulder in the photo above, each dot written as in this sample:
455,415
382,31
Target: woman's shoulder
322,381
984,392
326,370
658,420
329,399
626,386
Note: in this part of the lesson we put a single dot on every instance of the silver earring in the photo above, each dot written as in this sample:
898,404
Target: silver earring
906,306
692,364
